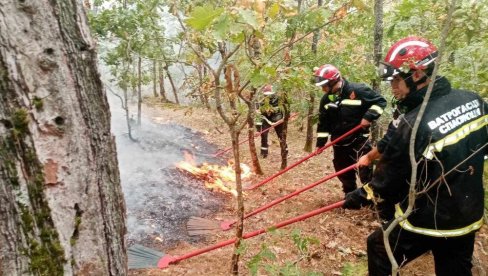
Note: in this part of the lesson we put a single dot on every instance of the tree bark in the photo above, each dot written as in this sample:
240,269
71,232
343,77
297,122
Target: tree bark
311,101
170,78
378,45
251,114
139,91
155,79
162,90
202,94
62,210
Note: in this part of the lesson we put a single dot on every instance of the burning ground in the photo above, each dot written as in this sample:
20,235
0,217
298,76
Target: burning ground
341,235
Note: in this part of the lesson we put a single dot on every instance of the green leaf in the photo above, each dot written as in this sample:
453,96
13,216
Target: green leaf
222,27
238,38
202,17
274,10
249,17
258,79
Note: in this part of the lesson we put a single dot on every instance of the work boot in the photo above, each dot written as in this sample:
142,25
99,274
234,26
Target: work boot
264,152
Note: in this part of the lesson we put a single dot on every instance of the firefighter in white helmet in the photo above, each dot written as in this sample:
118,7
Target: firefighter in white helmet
271,114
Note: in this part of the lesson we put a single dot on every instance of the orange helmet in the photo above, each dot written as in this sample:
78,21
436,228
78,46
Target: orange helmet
407,54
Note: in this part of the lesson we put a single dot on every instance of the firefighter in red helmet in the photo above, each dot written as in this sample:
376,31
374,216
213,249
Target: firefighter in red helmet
343,106
449,149
271,113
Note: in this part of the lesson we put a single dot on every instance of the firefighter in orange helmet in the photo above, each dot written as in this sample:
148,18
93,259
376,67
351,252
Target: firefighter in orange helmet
449,149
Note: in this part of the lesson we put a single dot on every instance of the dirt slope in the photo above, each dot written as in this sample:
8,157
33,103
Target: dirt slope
341,234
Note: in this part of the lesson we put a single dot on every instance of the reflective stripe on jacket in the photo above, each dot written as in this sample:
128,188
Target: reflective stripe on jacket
354,103
449,149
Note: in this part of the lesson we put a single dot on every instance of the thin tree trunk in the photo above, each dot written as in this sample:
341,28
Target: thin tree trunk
175,92
205,96
155,79
133,81
240,201
127,114
162,90
62,210
378,46
412,193
256,166
311,100
201,94
139,92
286,119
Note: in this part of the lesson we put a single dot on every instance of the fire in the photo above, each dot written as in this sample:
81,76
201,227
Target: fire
216,177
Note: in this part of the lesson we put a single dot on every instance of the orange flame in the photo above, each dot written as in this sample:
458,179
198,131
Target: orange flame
216,177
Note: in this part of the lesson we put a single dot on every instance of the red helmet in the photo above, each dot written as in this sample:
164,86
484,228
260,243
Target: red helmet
409,53
326,74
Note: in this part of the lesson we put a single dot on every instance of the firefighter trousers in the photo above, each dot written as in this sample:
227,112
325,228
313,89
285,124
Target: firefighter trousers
452,256
279,129
347,155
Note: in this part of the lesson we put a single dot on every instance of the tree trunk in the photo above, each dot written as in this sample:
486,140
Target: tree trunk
378,45
62,210
133,81
139,92
175,93
240,200
309,137
162,90
202,94
286,119
311,101
256,166
155,79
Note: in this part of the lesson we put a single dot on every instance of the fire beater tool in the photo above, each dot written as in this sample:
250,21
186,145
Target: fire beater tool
316,152
166,260
201,226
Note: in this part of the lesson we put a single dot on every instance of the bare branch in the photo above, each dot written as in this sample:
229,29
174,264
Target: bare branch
413,178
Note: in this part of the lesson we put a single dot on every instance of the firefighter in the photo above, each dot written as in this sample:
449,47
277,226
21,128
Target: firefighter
271,114
450,144
343,106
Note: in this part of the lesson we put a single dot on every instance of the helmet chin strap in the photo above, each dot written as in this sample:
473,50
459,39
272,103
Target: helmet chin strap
332,84
411,84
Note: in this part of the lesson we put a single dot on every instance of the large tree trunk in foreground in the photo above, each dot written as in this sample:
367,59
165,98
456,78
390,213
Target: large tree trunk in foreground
61,204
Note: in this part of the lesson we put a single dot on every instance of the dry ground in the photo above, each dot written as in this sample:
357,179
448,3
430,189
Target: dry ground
341,234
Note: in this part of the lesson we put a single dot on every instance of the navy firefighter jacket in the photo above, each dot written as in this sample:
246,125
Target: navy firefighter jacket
340,114
449,149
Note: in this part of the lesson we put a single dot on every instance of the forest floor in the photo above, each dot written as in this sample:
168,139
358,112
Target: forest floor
340,235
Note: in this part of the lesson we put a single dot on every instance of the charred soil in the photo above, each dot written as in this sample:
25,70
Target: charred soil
340,234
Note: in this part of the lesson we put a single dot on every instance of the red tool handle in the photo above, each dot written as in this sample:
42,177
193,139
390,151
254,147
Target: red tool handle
316,152
166,260
297,192
226,225
219,153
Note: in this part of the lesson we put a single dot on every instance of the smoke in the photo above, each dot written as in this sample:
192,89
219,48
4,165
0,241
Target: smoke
159,198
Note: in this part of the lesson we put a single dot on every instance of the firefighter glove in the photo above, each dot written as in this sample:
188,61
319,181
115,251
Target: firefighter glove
356,199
